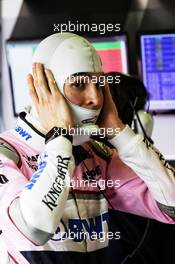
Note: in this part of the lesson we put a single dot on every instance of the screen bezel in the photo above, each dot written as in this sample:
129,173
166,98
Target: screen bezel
12,88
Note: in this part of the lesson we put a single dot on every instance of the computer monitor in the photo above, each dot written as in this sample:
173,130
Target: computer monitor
113,51
158,69
19,58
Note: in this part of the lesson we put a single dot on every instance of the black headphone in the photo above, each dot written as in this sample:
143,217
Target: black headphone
142,122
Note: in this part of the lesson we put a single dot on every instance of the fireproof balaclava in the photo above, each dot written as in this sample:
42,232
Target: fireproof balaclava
66,54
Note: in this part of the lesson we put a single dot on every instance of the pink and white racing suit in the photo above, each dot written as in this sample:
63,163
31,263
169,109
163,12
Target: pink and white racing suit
54,198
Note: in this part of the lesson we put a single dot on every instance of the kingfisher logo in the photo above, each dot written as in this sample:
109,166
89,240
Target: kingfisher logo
24,134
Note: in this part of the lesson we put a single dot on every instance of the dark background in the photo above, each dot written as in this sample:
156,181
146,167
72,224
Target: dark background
36,18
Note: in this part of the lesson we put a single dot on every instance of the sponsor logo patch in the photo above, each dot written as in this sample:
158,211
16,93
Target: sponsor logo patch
24,134
3,179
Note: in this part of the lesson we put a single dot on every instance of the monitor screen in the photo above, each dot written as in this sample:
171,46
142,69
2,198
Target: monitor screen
113,52
19,58
158,69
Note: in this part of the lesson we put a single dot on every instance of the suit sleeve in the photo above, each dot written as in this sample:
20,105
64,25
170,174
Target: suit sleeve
146,181
36,206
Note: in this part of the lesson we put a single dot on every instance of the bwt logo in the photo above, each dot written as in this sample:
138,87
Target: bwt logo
78,229
23,133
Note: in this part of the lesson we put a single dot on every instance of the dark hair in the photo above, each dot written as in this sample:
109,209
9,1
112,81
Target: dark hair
130,91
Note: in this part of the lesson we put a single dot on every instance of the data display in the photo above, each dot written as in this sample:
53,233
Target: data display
158,68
